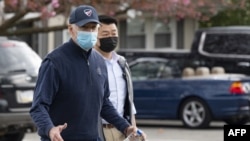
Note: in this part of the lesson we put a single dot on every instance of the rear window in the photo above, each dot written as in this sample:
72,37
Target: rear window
18,56
234,45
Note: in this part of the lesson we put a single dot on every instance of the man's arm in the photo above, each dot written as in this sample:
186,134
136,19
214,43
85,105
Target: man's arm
109,113
133,121
46,87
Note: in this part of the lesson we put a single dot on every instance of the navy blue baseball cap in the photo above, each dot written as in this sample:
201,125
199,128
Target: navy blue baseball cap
83,14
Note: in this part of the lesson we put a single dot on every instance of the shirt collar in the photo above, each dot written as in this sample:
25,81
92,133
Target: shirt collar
114,56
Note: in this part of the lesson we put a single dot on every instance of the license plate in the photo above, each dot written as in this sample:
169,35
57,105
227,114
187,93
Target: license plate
25,96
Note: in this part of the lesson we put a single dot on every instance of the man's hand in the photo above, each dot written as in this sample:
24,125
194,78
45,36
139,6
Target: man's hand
143,135
130,130
55,132
134,131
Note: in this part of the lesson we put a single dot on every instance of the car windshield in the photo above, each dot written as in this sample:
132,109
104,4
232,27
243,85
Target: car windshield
18,57
155,69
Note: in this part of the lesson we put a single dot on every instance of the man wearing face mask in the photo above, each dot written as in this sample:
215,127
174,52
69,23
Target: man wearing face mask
120,84
72,88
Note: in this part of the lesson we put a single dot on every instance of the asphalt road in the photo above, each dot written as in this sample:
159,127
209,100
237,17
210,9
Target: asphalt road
169,131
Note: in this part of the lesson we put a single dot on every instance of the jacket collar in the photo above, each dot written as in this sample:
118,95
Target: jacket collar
78,50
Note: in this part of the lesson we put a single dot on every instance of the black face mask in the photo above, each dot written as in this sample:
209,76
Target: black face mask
108,44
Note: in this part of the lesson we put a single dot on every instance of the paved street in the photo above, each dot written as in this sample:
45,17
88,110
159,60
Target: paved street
170,131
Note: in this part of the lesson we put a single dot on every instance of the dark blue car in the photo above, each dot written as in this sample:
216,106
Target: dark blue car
165,89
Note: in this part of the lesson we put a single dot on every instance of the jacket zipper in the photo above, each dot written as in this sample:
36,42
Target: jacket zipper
89,72
89,77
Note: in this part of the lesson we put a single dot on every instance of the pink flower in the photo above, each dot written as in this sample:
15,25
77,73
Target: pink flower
55,3
186,2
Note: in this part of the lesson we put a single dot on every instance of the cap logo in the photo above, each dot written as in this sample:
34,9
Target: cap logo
88,12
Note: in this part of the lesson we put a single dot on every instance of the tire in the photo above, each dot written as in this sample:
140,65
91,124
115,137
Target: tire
195,113
237,121
17,136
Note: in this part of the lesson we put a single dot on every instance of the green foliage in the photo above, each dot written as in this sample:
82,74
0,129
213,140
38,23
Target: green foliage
230,17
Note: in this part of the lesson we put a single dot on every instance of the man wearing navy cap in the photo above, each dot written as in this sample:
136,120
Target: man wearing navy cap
72,88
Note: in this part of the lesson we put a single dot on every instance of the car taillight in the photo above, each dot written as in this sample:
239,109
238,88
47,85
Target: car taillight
239,88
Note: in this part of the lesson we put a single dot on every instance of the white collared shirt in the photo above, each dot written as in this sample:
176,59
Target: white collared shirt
117,84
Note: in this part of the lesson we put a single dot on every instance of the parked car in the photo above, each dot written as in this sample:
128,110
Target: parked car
167,89
19,66
227,46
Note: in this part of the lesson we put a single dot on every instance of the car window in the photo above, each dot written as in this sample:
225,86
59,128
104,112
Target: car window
150,70
18,56
143,70
226,44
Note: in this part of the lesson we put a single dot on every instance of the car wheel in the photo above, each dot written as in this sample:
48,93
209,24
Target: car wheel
17,136
195,113
237,121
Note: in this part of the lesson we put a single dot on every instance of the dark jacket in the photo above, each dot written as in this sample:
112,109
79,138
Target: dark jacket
129,102
72,88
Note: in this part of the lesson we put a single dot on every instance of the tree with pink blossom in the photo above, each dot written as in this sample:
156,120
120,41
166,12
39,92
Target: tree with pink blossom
200,10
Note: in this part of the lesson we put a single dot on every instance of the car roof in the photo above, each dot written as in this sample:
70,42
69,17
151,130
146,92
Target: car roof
152,59
225,29
153,50
13,42
137,51
132,54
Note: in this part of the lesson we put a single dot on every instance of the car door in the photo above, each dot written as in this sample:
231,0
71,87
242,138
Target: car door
146,77
167,90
